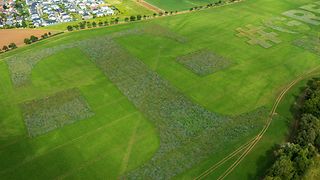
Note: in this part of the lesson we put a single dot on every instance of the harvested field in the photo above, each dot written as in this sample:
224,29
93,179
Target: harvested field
17,35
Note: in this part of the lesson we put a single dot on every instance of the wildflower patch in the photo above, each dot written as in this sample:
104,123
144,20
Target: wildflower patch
47,114
188,132
21,66
204,62
309,43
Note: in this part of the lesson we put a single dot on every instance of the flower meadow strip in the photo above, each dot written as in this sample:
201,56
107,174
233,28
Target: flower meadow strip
309,43
188,132
20,66
204,62
49,113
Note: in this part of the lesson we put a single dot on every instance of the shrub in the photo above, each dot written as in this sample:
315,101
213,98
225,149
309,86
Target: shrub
12,46
69,28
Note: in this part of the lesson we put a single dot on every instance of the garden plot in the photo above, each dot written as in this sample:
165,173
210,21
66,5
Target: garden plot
203,62
188,132
20,66
47,114
309,43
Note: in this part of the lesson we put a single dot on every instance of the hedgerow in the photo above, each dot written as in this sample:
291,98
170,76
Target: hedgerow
49,113
188,132
203,62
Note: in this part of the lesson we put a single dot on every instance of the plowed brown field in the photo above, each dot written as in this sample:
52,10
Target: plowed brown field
17,36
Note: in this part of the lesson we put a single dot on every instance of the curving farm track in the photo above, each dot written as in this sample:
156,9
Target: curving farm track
247,147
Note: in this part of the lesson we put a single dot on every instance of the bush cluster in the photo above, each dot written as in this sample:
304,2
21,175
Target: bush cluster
33,38
92,24
7,48
293,159
215,4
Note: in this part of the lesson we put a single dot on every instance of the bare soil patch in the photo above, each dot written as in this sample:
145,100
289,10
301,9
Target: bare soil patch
17,36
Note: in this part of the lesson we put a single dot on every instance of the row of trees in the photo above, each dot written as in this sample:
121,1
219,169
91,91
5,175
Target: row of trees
9,47
33,38
89,24
294,158
218,3
207,6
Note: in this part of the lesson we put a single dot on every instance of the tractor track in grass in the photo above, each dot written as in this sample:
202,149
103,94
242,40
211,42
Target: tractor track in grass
247,147
89,133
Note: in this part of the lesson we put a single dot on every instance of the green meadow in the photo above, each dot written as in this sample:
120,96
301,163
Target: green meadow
142,112
178,5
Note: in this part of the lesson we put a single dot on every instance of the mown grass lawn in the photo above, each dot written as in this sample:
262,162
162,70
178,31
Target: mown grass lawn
119,137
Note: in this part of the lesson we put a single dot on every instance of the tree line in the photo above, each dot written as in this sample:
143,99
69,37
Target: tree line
93,24
30,40
89,24
293,159
33,38
9,47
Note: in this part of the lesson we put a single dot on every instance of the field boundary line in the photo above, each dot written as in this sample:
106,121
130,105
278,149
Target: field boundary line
126,156
257,138
67,143
149,6
271,115
225,159
98,158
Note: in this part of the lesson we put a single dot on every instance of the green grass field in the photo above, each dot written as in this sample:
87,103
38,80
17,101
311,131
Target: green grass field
178,5
153,116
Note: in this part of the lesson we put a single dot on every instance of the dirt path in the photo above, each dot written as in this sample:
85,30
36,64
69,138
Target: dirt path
252,143
149,6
